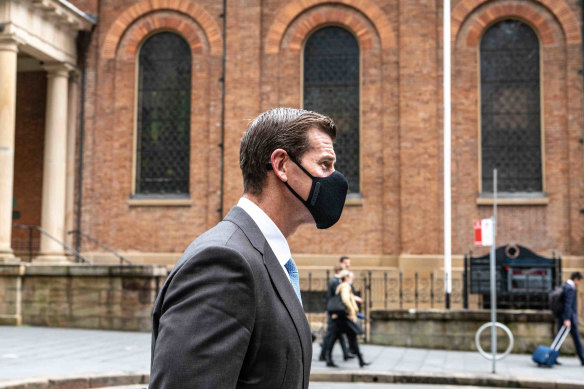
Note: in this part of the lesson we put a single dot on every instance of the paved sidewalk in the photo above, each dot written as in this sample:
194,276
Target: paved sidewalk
37,352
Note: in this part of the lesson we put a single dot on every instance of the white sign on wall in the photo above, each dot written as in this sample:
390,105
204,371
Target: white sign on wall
483,232
487,235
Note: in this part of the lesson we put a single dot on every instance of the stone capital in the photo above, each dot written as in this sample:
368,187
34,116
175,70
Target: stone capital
58,69
9,42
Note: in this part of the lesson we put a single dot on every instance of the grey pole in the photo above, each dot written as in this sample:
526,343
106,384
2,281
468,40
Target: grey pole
494,275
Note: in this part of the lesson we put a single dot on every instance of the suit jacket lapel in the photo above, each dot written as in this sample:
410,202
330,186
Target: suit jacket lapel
281,282
288,296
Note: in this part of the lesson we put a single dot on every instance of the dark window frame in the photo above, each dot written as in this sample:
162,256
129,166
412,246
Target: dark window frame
163,116
520,129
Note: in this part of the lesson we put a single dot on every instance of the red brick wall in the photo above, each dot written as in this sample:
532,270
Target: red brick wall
557,225
401,120
29,150
110,132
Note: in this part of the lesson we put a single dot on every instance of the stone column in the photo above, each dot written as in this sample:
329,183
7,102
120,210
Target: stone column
8,50
71,136
55,164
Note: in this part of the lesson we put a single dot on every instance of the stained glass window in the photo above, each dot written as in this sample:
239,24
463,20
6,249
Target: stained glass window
164,102
510,108
331,87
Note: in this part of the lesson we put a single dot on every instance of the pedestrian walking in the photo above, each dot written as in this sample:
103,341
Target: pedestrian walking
569,316
333,332
350,324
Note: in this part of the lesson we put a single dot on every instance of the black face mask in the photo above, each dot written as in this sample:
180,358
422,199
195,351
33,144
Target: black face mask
326,198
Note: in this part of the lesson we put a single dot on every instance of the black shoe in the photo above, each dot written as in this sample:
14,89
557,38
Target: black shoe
331,364
349,356
363,363
321,358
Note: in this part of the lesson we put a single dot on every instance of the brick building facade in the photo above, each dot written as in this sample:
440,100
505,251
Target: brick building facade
395,220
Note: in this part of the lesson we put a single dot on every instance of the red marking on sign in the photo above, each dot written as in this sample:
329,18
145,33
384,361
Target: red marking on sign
478,233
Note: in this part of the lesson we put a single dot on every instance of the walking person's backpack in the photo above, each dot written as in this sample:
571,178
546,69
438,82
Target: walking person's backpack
556,301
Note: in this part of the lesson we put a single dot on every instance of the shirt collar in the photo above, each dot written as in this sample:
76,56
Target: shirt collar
571,283
271,232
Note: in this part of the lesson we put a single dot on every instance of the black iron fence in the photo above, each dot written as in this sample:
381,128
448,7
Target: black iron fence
29,247
35,242
386,289
383,289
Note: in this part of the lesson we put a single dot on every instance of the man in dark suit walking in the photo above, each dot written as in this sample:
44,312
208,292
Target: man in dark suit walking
569,317
230,313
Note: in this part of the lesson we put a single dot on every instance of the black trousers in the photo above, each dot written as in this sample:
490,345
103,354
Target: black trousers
351,336
333,332
575,337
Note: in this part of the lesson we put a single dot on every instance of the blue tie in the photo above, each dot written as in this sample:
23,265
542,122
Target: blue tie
294,278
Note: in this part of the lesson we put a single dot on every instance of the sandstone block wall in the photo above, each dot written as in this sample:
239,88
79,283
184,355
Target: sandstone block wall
455,330
78,296
11,294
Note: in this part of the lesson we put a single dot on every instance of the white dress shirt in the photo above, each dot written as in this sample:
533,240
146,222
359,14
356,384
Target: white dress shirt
271,232
571,283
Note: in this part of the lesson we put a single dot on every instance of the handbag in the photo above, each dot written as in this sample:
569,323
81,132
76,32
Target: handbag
354,327
335,306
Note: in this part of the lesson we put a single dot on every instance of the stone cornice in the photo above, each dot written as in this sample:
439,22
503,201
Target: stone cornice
44,29
64,14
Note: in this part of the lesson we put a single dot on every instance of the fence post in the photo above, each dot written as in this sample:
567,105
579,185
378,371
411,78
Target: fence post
528,292
369,291
401,292
364,305
432,290
30,231
385,290
465,284
416,290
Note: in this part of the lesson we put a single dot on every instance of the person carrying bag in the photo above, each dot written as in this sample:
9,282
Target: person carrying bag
350,323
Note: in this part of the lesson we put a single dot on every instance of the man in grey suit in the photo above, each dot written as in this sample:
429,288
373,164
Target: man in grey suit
230,313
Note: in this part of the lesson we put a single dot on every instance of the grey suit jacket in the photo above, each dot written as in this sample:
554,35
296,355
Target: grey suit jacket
228,317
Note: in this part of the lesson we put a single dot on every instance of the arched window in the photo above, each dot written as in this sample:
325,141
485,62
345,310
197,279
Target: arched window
164,106
331,87
510,108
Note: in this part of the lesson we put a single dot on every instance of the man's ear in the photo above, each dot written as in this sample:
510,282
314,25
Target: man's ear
280,160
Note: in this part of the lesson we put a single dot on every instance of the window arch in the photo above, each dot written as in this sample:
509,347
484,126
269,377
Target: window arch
510,108
164,106
331,87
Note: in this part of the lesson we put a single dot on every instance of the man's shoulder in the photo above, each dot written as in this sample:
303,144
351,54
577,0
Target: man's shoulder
224,236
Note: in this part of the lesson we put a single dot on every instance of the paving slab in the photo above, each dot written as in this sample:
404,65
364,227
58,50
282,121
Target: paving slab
353,385
28,353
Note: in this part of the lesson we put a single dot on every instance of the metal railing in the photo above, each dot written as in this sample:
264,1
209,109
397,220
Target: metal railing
79,257
384,289
391,289
103,246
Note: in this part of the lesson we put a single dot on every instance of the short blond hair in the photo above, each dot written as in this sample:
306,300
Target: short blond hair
346,273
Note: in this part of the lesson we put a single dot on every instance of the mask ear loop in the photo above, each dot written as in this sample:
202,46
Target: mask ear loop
269,166
300,166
